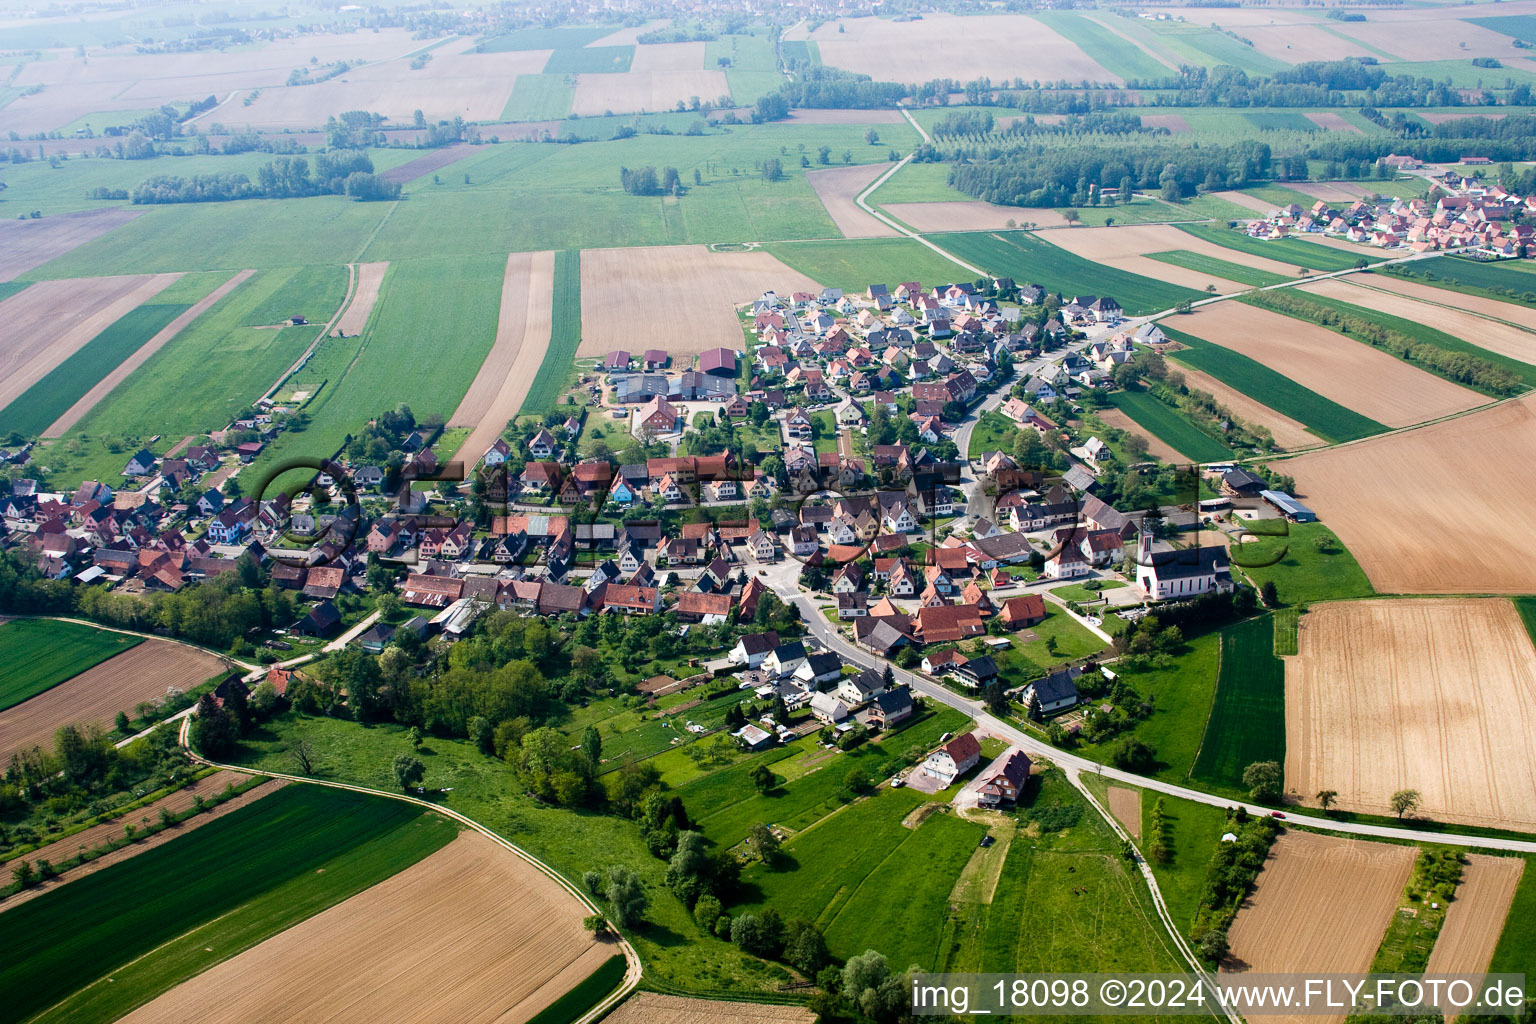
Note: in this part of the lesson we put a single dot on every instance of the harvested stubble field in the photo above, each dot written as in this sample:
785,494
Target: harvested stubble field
368,279
837,188
1467,494
654,1008
25,244
1445,38
969,216
1525,316
1125,805
50,321
1476,916
1382,698
120,373
1156,447
473,931
629,295
95,695
986,45
1503,339
1349,372
1255,203
635,91
1321,905
1287,432
522,336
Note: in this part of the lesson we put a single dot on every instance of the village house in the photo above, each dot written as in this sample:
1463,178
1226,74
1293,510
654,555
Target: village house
953,759
1004,780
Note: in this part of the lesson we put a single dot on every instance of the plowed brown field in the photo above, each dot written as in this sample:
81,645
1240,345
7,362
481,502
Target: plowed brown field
1321,905
522,338
25,244
1254,203
1349,372
1515,313
471,934
653,1008
836,188
1125,805
1443,509
1476,916
1491,335
47,322
1437,696
138,674
962,215
370,277
1287,432
632,298
668,57
1156,447
634,91
104,387
1333,122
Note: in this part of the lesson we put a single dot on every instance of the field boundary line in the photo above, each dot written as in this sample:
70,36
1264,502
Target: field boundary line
633,969
1443,305
1221,649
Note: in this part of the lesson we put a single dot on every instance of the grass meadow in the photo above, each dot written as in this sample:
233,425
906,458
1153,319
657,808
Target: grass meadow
91,950
1193,830
539,98
1295,251
1170,425
855,264
39,654
1247,722
1026,257
1313,565
1322,416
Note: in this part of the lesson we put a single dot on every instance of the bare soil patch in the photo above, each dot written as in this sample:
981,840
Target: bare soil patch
473,932
837,187
639,91
97,835
138,674
1127,242
1443,509
25,244
370,278
104,387
1443,38
668,57
628,295
654,1008
1476,916
1156,447
1333,122
1441,118
846,117
1349,372
1515,313
1253,203
1495,337
1173,122
1332,191
938,44
50,321
522,338
434,160
1321,904
1437,696
1296,43
967,215
1125,805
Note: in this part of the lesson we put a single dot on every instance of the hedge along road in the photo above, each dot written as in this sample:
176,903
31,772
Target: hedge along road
632,965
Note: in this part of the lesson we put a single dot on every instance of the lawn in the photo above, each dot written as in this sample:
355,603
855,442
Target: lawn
39,654
539,98
854,265
564,336
1522,371
1025,661
993,432
1193,830
1295,251
1201,263
1247,722
1026,257
48,399
1080,592
1325,418
1307,564
237,880
1170,425
1181,695
1110,50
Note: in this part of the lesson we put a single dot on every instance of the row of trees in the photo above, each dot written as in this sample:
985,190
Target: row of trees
344,172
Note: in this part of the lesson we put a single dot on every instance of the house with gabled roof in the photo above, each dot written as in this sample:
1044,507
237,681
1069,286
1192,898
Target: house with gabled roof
953,759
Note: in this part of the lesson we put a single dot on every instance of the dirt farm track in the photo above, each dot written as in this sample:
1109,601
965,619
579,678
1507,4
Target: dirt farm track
472,931
1434,695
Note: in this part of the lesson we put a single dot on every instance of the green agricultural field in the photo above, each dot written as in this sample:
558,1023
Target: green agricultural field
39,654
1295,251
590,60
174,395
802,52
1153,210
564,337
1171,426
746,51
1315,566
1026,257
1280,195
1526,606
1200,262
918,183
1516,26
1110,50
572,1006
747,87
238,880
1523,371
1325,418
1247,722
1516,950
1508,282
1181,695
539,98
456,298
9,288
855,264
1281,120
1193,830
1205,46
564,38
